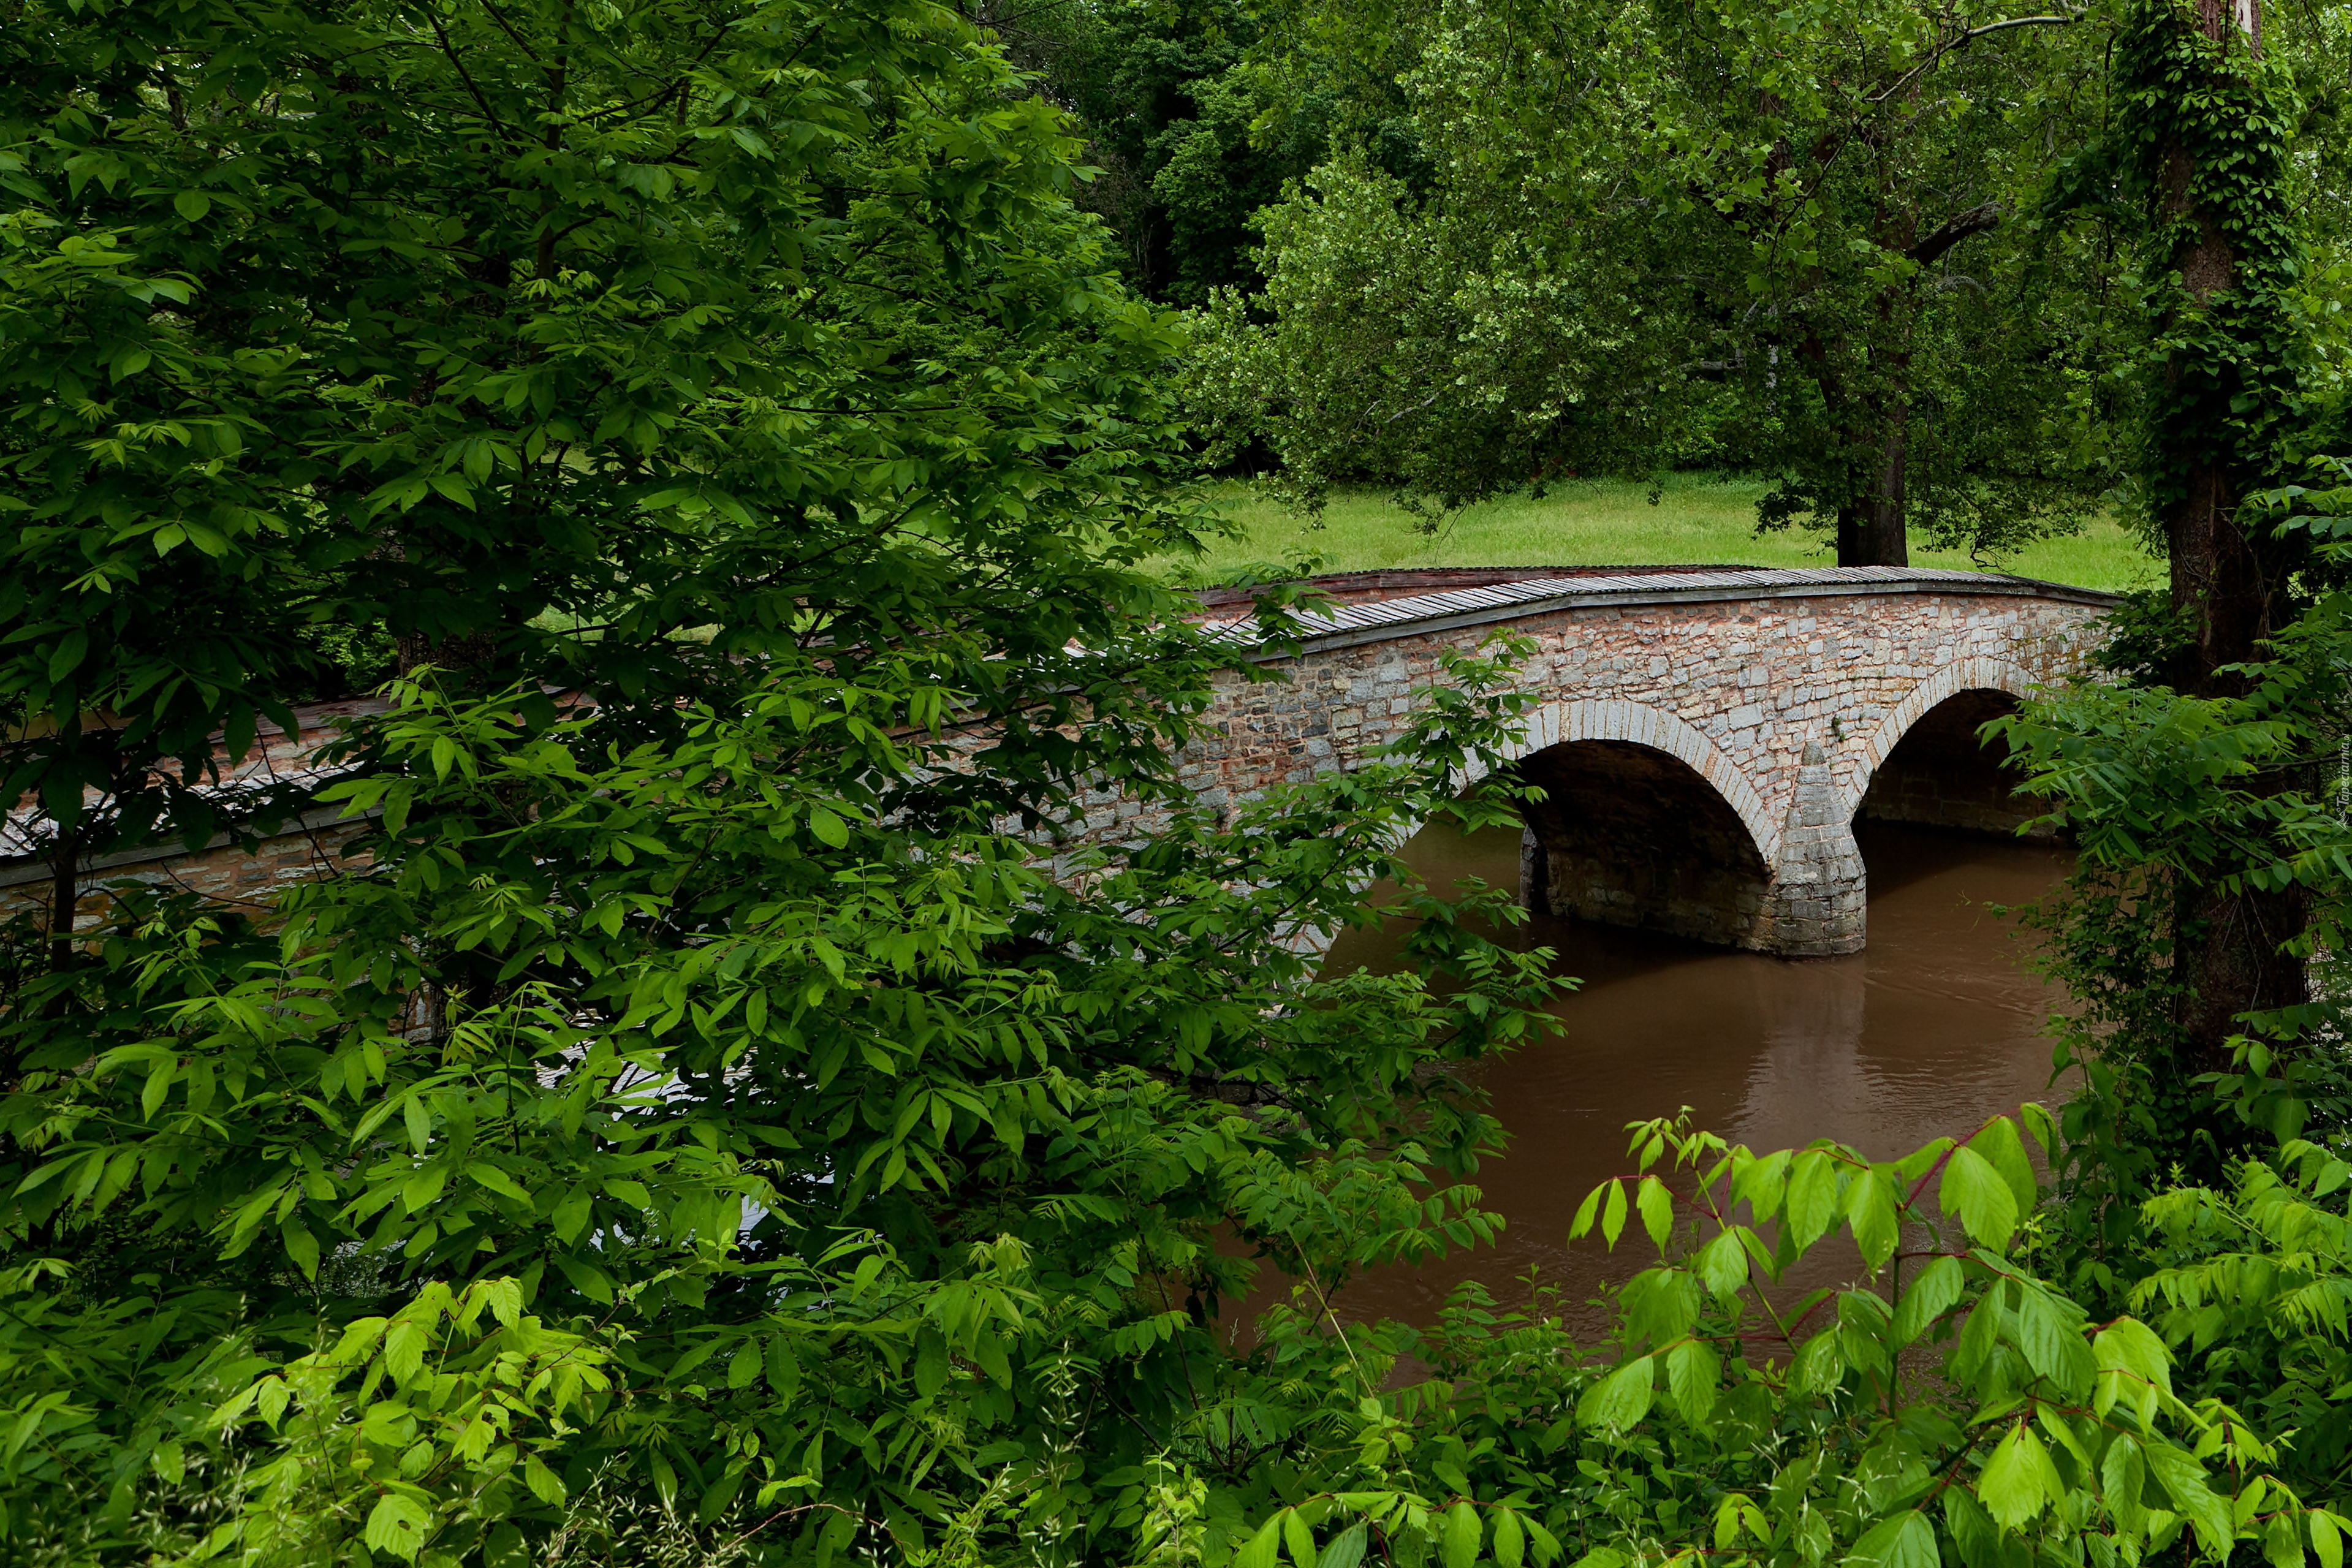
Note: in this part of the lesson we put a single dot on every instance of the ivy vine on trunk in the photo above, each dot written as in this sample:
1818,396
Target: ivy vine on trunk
2207,154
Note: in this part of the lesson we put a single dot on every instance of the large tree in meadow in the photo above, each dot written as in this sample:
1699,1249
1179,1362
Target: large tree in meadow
1800,242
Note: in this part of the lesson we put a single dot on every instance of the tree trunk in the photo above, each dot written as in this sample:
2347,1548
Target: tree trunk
2232,591
1873,532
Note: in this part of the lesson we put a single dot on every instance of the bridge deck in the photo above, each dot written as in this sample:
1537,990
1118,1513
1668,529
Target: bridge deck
1347,625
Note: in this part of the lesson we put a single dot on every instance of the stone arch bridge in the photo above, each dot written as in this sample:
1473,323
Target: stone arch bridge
1706,737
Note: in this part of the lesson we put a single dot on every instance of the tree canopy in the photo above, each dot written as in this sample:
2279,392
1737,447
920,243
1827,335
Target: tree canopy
1876,253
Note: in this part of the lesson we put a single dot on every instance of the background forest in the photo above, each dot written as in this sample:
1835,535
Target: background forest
734,1112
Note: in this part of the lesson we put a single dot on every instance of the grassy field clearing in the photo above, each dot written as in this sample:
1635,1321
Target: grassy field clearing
1611,523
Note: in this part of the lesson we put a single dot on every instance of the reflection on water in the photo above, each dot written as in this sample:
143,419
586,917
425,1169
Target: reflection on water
1934,1027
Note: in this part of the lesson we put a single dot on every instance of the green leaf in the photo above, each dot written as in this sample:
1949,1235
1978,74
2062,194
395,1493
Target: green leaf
158,1088
783,1367
544,1483
67,655
1820,1365
1581,1226
487,1175
716,1498
1510,1541
1347,1549
1619,1401
930,1361
2326,1540
1813,1197
301,1247
2132,1364
1870,1210
1906,1540
1979,1337
2018,1481
1264,1546
1460,1548
1977,1193
2282,1540
1613,1216
1297,1539
2121,1474
1972,1530
1927,1298
2190,1490
1722,1264
1694,1374
2040,1123
398,1524
2000,1144
571,1216
1658,1208
191,205
2052,1347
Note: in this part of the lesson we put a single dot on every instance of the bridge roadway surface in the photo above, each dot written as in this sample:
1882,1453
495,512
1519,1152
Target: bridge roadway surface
1707,739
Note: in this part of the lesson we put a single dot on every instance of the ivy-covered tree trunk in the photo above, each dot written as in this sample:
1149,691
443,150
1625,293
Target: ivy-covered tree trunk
2210,158
2232,583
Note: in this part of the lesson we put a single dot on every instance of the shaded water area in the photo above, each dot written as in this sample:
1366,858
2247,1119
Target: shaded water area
1935,1027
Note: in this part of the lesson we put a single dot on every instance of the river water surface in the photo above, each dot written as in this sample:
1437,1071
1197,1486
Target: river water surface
1934,1027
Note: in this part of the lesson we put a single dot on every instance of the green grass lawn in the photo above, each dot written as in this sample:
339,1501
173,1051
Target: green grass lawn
1611,522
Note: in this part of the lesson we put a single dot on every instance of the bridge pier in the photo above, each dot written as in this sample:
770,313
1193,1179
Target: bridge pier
1819,885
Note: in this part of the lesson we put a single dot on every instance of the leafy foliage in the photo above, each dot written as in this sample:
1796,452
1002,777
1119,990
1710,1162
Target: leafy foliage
1186,144
831,1135
2177,802
1952,1407
601,347
792,1070
1800,242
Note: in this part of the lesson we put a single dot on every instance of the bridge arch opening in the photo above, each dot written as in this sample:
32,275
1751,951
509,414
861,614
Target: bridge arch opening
1939,773
1628,834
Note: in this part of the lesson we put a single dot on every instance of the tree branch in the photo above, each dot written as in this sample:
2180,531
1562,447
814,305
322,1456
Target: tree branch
1961,40
1974,221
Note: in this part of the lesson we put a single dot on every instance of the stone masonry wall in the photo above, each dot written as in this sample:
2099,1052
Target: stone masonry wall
224,875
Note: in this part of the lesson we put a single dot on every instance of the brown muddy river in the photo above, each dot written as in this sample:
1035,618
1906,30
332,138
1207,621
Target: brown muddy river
1936,1027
